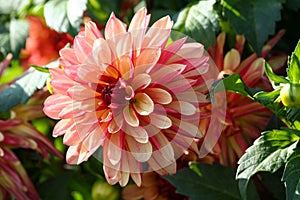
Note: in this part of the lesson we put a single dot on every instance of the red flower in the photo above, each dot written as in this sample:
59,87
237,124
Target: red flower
43,43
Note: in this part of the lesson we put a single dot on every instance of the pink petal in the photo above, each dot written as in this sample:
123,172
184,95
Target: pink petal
143,104
146,60
114,150
140,151
130,116
80,92
255,72
60,82
54,104
61,127
101,52
82,49
140,81
183,107
139,21
160,121
115,124
114,27
159,95
138,133
91,31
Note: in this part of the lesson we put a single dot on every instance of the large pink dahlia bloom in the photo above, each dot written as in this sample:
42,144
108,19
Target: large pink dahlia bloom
134,94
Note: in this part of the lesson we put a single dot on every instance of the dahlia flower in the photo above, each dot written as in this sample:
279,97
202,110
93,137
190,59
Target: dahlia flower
17,132
245,119
43,43
133,93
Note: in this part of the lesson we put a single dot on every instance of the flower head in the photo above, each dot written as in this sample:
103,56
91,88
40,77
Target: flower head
134,93
245,119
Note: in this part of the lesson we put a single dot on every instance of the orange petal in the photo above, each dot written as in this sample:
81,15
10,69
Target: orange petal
232,60
143,104
159,95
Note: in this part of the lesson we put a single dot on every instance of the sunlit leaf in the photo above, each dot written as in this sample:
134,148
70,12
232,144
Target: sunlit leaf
21,90
255,19
268,153
276,79
199,21
294,65
205,181
65,15
18,33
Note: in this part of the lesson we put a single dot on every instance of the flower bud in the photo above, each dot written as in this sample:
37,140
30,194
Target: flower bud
290,95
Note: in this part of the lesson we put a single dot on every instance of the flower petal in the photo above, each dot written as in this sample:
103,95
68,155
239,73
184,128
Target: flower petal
54,104
140,151
143,104
114,151
140,81
114,27
160,121
138,133
232,60
130,116
159,95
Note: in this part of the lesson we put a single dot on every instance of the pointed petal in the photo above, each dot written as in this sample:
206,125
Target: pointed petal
114,27
183,107
54,104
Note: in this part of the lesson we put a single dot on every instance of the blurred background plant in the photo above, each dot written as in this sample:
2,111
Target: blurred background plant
235,33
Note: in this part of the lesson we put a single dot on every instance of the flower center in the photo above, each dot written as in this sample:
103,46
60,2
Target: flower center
106,94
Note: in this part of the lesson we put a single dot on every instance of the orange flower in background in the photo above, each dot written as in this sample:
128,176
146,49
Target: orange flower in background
131,94
43,43
245,119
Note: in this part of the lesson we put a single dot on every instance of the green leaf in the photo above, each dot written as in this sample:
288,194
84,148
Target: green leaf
41,69
205,181
4,39
18,31
199,21
268,153
276,79
22,89
232,83
291,177
65,15
255,19
294,65
7,7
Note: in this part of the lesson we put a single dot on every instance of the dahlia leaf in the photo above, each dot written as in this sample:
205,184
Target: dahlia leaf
199,21
268,153
65,15
291,176
18,32
232,83
255,19
202,181
274,78
22,89
294,65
